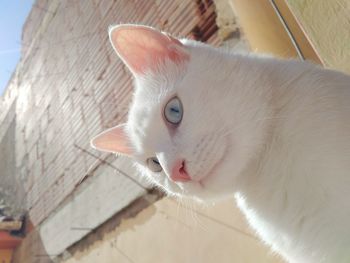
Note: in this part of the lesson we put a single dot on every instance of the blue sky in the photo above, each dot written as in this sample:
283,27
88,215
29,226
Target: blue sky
13,14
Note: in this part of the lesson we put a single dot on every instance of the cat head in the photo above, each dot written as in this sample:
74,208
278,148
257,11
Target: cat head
188,127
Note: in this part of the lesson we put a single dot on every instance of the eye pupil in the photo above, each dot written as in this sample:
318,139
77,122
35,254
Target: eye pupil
173,111
155,161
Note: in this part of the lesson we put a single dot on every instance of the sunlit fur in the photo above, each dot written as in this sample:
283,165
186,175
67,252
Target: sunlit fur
275,134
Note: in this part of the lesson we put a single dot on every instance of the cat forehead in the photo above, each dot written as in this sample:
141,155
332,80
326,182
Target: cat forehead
141,112
145,116
151,93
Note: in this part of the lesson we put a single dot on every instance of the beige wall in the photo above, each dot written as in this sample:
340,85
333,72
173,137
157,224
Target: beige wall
169,232
327,24
262,28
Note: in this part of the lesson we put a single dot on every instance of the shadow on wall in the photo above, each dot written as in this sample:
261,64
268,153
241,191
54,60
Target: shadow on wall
12,196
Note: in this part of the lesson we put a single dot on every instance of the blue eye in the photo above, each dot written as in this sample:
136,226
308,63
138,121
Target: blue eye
173,111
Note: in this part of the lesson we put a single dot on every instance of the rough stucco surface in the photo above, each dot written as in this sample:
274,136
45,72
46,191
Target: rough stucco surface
327,24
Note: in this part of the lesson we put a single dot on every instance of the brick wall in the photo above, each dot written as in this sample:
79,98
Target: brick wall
69,85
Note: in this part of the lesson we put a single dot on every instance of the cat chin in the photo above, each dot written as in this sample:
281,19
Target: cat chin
202,196
216,186
200,192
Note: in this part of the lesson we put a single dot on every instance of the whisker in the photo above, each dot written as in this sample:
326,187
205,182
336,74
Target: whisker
179,200
192,213
198,219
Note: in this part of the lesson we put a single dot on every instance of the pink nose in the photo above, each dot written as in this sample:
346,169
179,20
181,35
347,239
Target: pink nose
178,173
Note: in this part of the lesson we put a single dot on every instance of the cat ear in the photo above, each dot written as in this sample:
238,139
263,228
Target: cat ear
143,48
113,140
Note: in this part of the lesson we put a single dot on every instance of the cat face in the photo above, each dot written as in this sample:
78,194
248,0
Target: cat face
178,143
183,128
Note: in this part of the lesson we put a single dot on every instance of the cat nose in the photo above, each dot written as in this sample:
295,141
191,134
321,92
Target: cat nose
179,173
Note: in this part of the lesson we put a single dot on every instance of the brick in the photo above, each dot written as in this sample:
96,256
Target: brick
105,6
87,7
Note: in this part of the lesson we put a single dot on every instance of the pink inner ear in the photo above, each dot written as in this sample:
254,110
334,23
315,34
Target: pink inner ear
143,48
113,140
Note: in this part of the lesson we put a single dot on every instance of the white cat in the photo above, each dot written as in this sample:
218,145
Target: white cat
209,124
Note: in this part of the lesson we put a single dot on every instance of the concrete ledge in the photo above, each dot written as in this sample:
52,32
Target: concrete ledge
97,200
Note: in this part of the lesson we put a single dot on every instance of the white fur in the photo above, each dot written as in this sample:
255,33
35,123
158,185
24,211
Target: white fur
275,134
